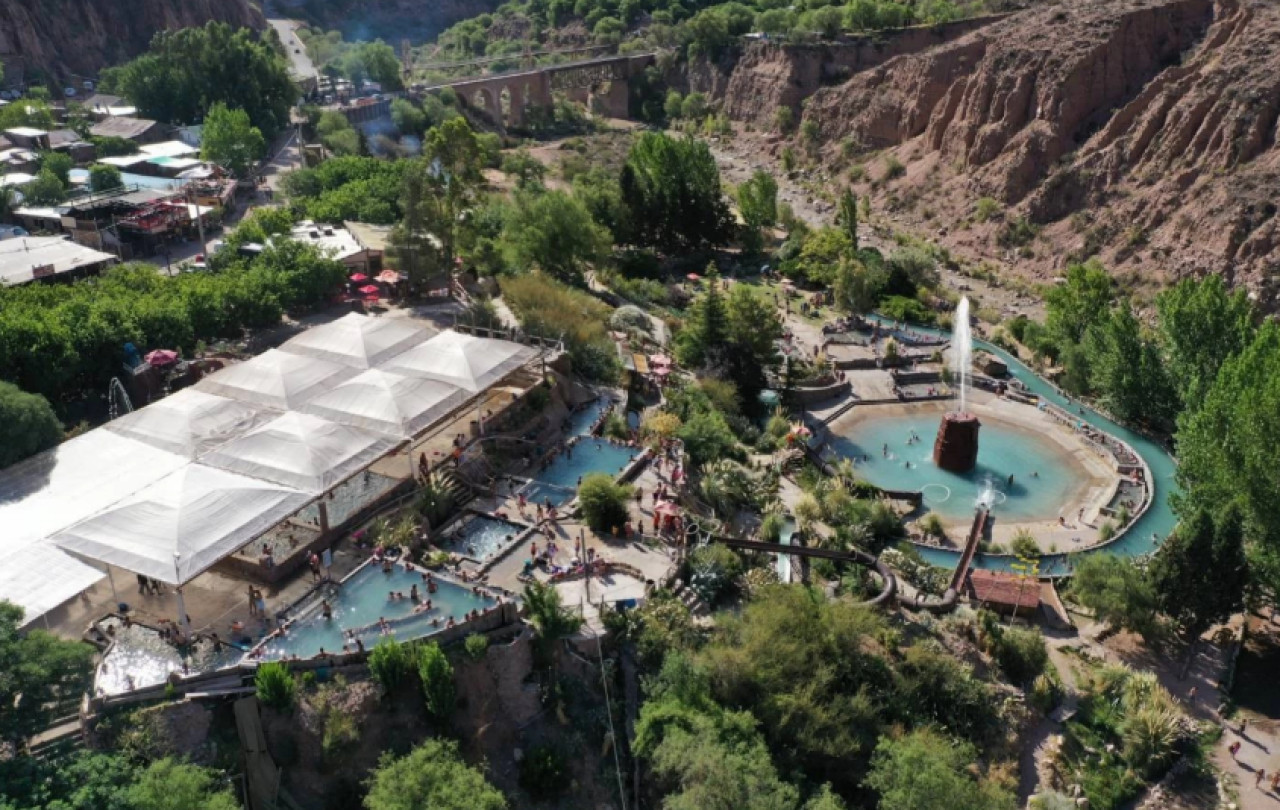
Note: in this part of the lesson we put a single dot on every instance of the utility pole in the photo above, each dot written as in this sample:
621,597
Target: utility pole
191,200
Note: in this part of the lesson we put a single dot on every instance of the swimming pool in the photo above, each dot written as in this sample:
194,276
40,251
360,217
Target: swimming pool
881,444
349,497
1142,537
360,601
482,537
140,658
581,422
558,483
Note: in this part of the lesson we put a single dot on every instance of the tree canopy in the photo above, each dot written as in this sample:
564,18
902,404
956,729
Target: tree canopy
230,140
671,189
37,669
925,771
187,71
27,424
431,775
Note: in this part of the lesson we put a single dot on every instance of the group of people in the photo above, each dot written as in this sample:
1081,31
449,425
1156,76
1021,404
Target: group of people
149,587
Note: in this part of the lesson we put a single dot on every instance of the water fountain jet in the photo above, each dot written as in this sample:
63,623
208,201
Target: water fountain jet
956,447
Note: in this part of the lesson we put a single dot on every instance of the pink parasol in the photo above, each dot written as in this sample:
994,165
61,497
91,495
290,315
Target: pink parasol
693,277
370,289
389,277
162,357
659,360
358,277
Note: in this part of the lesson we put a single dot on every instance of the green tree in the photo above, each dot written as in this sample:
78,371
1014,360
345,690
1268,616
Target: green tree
758,204
104,177
1200,574
28,424
847,216
171,785
1079,303
854,289
1117,591
37,671
390,662
230,140
275,685
60,164
673,104
380,64
925,771
1202,325
436,674
603,502
432,775
754,329
553,231
550,620
702,341
1228,450
1128,371
408,118
525,168
186,71
671,190
46,189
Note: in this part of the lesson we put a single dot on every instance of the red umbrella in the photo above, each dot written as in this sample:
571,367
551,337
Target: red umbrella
373,298
162,357
358,277
370,289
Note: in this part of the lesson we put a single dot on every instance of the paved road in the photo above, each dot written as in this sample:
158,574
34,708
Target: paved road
299,61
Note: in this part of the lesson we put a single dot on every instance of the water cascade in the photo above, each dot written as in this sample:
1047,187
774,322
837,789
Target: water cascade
956,447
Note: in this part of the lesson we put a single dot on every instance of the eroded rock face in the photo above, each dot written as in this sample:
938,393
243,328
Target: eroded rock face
70,39
1142,132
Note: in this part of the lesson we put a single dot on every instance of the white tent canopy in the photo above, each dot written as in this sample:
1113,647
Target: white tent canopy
468,362
178,527
39,577
358,341
190,422
276,379
301,451
388,403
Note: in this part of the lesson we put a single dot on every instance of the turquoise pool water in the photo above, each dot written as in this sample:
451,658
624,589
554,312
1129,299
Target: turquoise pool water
1002,451
559,482
482,537
364,598
1142,537
580,422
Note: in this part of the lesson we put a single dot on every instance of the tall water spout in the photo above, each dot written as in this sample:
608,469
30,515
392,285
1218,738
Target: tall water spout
961,349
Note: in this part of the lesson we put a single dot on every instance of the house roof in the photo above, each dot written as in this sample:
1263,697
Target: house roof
20,257
101,101
121,127
999,588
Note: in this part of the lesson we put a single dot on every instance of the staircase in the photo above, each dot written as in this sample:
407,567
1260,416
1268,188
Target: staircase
459,490
691,600
62,737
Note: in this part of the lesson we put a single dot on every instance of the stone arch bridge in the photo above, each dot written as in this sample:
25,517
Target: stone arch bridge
508,98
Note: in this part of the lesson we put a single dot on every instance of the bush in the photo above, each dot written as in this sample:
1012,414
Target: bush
390,663
276,686
28,424
436,674
340,733
901,308
1022,654
603,502
1024,545
476,646
544,772
712,571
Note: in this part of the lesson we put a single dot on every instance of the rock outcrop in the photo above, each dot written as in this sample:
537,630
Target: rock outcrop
1142,132
72,39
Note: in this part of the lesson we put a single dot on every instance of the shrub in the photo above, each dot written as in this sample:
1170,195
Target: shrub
390,663
771,527
712,571
544,772
436,674
476,646
27,424
931,525
340,733
1024,545
603,502
893,169
275,685
1022,654
987,209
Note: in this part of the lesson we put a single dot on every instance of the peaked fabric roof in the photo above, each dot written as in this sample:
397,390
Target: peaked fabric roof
388,403
301,451
190,422
358,341
39,577
466,361
275,379
200,514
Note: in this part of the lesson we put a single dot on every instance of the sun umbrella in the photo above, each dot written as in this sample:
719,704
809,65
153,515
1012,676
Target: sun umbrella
370,289
389,277
373,297
659,360
162,357
693,277
358,277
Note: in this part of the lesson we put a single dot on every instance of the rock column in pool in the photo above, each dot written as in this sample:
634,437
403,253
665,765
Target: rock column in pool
956,448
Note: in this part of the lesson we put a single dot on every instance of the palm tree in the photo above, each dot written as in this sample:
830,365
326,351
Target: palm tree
548,617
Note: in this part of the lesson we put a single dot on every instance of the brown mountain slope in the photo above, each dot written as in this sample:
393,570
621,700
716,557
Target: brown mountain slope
76,38
1139,131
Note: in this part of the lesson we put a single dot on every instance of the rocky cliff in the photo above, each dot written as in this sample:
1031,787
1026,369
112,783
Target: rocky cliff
1138,131
390,20
75,38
